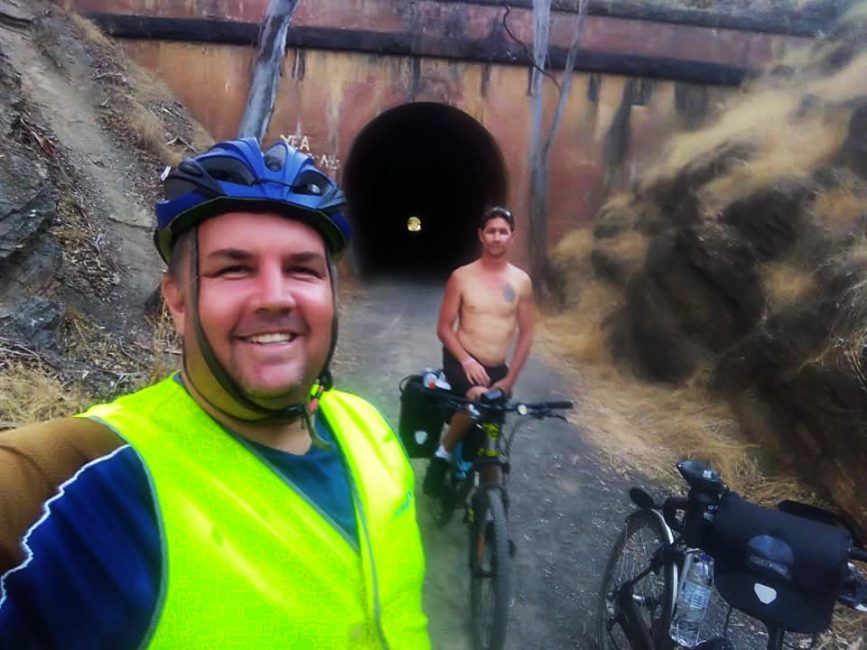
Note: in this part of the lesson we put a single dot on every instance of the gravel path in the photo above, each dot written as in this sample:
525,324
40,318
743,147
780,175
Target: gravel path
565,504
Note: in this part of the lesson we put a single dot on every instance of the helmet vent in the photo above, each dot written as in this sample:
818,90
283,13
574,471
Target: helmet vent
228,170
311,182
275,157
189,167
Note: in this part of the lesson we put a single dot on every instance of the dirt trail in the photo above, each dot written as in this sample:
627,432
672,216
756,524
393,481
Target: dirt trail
564,502
56,80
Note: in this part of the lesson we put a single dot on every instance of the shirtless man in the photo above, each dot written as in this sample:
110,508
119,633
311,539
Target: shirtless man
491,300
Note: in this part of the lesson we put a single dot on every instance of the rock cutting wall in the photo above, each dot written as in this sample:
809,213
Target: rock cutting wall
742,257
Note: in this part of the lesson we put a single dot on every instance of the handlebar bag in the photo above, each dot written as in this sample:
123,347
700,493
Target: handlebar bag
782,569
421,418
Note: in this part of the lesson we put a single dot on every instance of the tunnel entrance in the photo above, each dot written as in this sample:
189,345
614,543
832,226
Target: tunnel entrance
417,179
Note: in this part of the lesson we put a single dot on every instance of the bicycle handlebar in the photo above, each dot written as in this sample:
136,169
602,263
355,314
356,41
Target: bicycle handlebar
536,409
854,590
555,405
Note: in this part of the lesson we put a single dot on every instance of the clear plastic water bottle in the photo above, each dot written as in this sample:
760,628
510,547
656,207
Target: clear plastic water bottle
692,601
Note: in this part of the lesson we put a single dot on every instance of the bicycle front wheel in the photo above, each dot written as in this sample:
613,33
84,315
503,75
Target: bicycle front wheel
643,537
491,568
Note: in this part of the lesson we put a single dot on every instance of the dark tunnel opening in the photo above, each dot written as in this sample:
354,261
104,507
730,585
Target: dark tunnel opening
417,179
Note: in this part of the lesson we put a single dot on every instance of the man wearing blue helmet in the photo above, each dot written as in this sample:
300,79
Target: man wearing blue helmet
241,503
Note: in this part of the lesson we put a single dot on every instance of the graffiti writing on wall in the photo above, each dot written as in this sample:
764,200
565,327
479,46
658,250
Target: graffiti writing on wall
327,162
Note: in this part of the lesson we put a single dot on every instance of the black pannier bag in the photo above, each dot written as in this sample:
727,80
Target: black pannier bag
782,569
421,417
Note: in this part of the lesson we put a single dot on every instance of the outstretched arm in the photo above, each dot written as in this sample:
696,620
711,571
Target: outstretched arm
34,461
449,309
526,318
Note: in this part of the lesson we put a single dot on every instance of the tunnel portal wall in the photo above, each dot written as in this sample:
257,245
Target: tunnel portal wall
638,81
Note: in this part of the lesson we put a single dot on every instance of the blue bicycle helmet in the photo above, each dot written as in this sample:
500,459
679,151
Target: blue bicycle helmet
237,175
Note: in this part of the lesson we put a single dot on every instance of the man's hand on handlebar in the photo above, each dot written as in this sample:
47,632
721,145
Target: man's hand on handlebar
505,384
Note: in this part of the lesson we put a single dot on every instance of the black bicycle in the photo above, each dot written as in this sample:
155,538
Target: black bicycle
785,567
477,481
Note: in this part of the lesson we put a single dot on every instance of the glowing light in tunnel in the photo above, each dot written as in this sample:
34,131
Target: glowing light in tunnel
413,224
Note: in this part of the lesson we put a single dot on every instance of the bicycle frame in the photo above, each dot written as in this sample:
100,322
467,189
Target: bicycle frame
489,464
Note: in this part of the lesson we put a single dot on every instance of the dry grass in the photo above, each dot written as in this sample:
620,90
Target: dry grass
88,30
736,124
853,300
148,132
628,246
648,428
166,350
643,426
578,284
141,105
790,150
842,208
30,393
843,86
573,249
785,284
578,335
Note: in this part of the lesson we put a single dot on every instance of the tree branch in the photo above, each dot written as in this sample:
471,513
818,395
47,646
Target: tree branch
565,89
268,68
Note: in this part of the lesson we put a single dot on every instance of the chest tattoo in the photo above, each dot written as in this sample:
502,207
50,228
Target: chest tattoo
509,293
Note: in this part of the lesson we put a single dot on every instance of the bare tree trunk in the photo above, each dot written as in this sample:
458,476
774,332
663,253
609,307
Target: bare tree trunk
540,151
267,69
538,170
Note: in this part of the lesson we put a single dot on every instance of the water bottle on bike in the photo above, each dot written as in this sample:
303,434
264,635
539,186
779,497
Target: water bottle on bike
432,380
692,601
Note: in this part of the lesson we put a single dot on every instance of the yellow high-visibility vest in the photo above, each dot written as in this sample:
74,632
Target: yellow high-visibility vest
248,561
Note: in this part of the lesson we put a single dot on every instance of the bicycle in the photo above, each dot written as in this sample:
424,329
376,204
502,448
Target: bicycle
477,480
785,567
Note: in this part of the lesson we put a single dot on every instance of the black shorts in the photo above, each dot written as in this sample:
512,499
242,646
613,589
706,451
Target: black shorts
456,376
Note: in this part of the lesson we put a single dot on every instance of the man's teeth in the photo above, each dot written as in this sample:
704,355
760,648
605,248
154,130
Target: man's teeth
270,338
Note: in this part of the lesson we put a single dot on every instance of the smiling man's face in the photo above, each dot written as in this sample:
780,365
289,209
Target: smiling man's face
265,303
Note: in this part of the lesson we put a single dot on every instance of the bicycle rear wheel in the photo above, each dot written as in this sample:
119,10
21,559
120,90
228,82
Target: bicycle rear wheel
491,568
654,594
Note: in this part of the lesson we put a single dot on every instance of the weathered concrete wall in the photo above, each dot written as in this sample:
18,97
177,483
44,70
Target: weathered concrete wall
612,128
